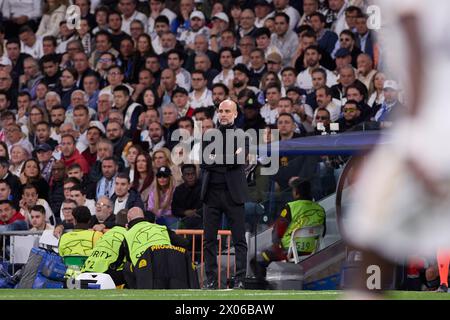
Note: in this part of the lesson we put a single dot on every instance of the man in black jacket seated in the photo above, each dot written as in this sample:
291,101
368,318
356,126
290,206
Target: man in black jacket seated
186,203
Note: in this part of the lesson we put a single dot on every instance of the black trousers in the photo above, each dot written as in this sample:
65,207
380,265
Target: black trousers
219,201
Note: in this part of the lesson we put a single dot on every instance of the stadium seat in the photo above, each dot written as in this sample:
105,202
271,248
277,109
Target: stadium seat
305,232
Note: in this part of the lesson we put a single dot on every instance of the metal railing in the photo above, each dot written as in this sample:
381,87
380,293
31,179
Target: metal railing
220,234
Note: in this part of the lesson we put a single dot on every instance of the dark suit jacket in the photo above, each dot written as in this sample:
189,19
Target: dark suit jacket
234,176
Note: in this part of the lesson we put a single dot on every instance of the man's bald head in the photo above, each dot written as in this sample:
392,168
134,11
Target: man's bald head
135,213
227,112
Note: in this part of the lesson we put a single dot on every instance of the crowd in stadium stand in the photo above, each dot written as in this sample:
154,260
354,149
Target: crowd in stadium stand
86,102
88,105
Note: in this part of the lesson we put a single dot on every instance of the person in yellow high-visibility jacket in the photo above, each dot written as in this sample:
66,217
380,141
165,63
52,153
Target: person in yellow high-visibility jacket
81,241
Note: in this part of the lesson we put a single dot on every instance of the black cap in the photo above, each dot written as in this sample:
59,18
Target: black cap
43,147
342,52
179,90
163,172
242,68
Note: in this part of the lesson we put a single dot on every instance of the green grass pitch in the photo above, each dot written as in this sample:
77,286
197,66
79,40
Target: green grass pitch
52,294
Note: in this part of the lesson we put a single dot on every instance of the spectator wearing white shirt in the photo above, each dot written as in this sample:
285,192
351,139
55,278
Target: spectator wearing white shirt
101,18
338,7
30,43
197,27
283,6
325,100
137,28
270,110
262,36
309,7
288,79
78,194
246,23
158,8
312,58
200,96
65,36
284,39
226,60
30,198
161,27
18,13
262,12
54,13
129,13
220,23
174,61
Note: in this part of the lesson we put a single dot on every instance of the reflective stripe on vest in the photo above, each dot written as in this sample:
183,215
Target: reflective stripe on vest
106,251
304,213
144,235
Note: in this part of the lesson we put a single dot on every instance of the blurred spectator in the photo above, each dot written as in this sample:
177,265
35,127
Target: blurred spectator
186,203
20,13
12,180
338,15
325,100
180,98
162,158
269,111
347,40
377,97
18,157
124,196
312,61
160,198
158,8
321,119
226,62
70,153
143,176
10,219
352,116
262,12
196,27
103,44
78,194
106,184
29,199
115,28
366,72
67,209
284,38
326,39
200,96
104,217
38,223
391,104
365,38
44,153
53,13
56,190
31,174
129,13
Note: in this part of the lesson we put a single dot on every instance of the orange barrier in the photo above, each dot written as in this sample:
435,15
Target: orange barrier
220,233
